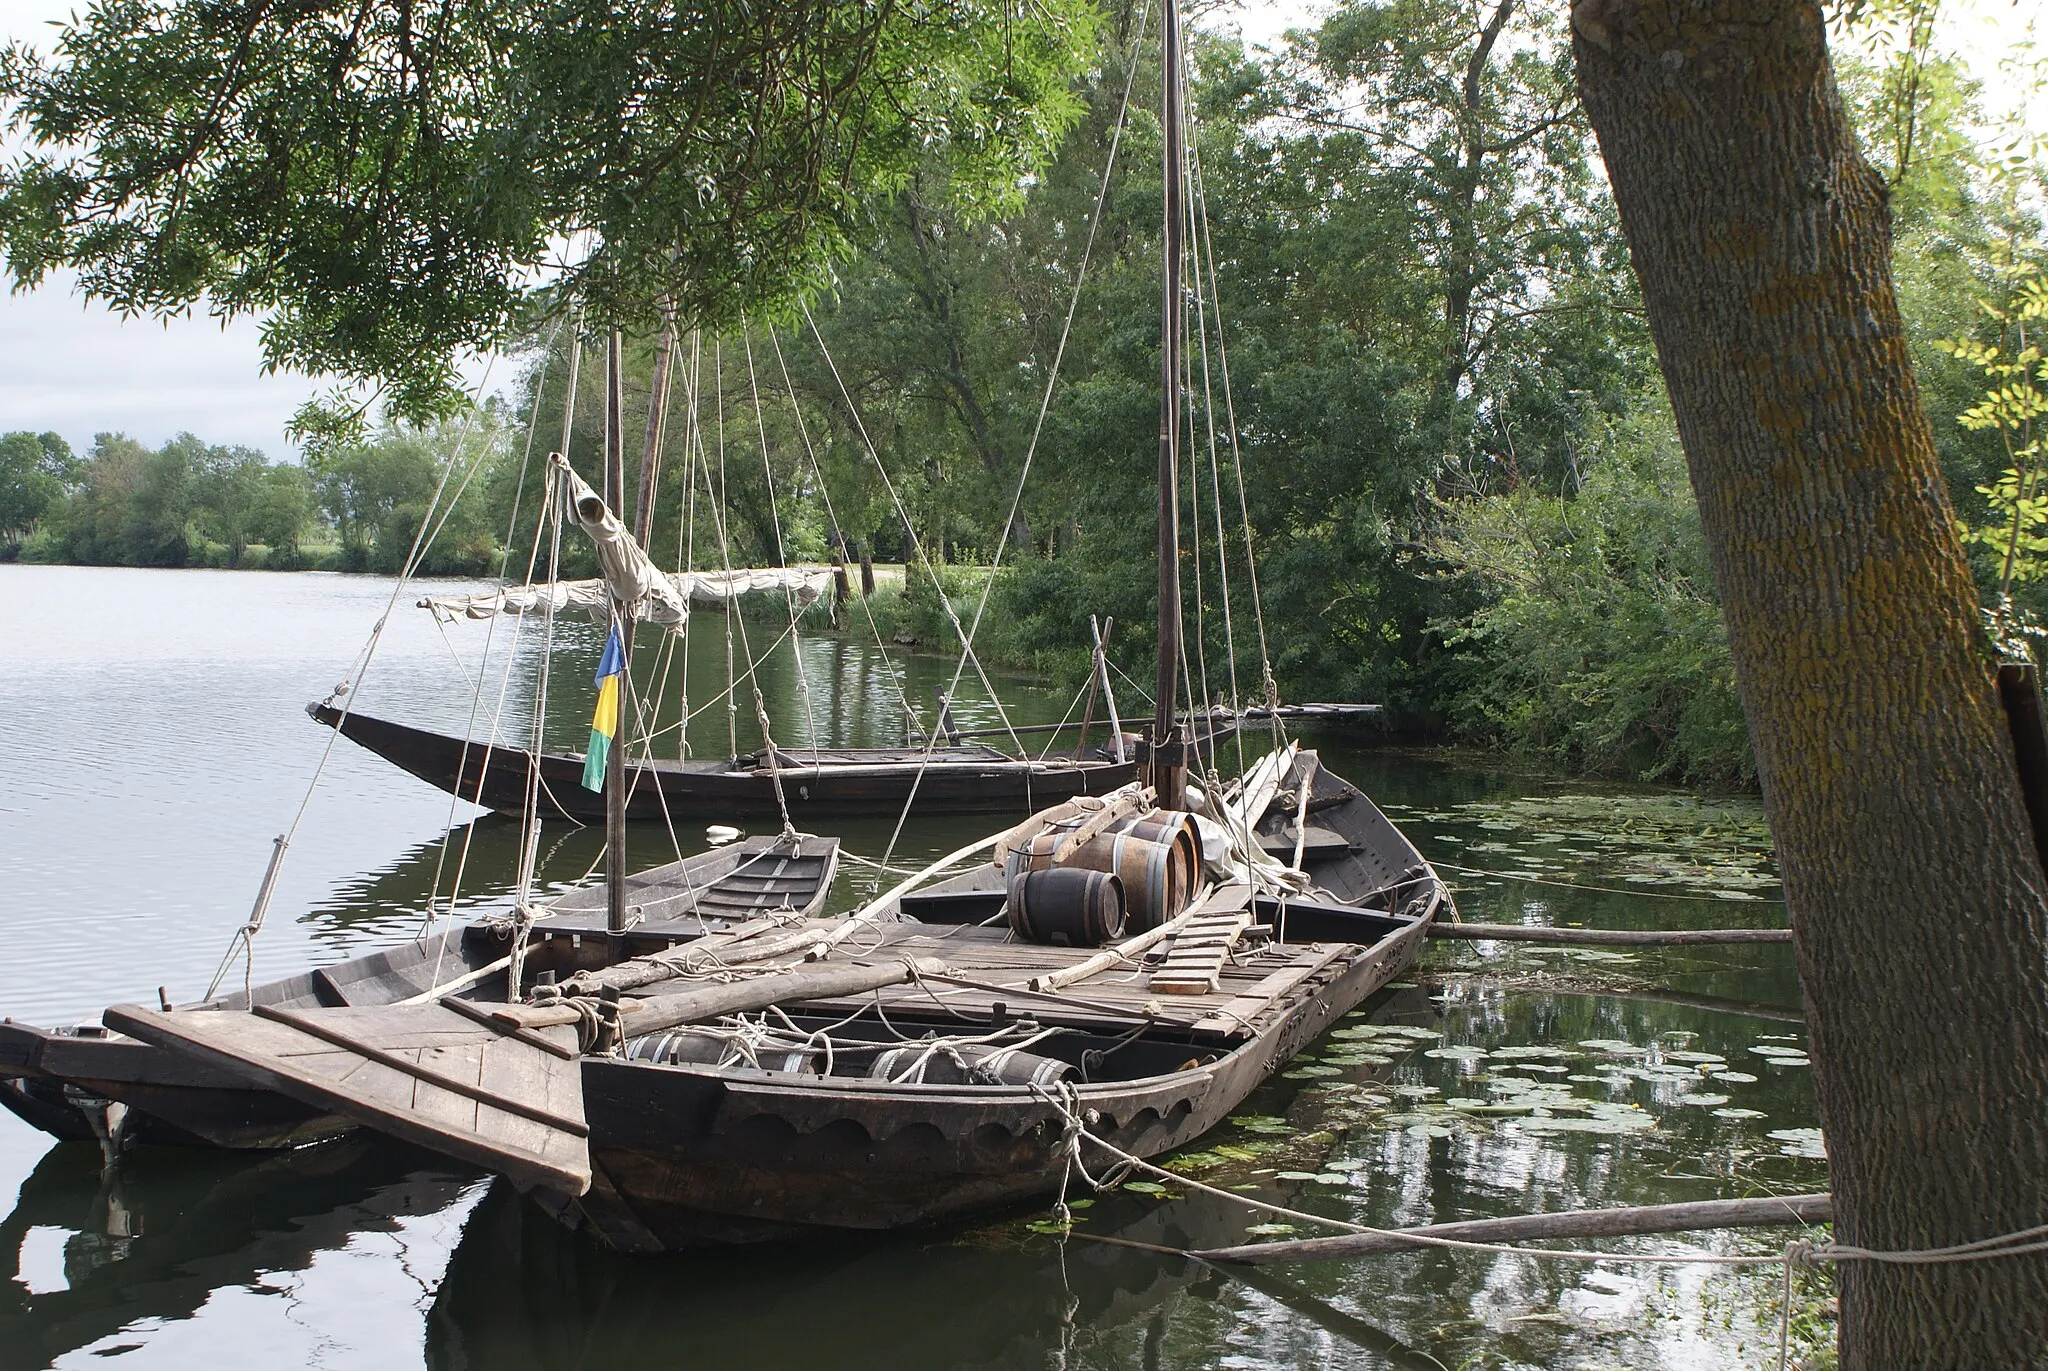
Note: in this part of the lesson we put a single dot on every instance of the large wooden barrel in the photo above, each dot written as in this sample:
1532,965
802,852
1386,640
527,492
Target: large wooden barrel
1155,875
1066,906
1176,827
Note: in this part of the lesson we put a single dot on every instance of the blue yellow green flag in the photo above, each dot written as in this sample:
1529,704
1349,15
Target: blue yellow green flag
604,724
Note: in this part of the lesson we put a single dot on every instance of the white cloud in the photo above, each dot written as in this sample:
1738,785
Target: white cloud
80,369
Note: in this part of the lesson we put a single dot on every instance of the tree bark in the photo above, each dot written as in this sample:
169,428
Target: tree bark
1762,240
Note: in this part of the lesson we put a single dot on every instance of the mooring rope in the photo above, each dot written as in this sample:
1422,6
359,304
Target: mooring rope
1797,1253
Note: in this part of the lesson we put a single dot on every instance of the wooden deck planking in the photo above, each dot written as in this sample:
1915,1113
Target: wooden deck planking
388,1079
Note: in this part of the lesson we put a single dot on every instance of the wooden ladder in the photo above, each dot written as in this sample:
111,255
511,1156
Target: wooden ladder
1194,962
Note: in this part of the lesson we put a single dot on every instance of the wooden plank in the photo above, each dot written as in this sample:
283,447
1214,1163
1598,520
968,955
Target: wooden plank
424,1073
309,1023
1234,1016
1194,963
478,1014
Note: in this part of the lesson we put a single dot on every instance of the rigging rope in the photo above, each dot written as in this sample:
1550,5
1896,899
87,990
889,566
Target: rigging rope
1038,427
243,941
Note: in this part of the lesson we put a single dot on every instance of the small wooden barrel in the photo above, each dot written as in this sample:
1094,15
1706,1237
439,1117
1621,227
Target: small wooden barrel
1066,906
1155,875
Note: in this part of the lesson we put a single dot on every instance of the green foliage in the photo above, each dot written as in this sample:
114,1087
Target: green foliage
391,186
1598,642
34,469
186,504
2014,401
382,493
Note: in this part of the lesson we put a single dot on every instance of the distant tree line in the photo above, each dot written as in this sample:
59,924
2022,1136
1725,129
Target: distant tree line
189,503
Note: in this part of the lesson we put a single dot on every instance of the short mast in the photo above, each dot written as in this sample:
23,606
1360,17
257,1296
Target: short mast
1166,768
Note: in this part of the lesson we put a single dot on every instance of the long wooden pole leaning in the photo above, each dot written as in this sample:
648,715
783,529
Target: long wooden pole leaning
1574,1223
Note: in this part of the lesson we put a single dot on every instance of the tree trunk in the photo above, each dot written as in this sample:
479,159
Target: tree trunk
867,567
1763,244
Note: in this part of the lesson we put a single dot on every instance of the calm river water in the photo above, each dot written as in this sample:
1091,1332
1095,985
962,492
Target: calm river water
152,744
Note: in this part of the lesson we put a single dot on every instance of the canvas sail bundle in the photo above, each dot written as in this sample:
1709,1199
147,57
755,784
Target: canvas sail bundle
630,577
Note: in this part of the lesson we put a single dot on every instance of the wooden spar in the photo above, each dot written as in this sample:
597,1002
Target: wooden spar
1166,769
787,985
740,997
622,621
657,422
1571,1223
1094,683
1626,937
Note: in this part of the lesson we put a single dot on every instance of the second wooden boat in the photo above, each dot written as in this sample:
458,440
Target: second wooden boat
817,783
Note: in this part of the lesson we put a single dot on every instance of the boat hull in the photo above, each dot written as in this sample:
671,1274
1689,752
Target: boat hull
855,781
84,1084
689,1157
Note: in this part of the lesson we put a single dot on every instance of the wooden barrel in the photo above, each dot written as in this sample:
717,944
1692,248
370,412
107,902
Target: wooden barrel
1067,906
688,1047
978,1064
1176,827
1155,875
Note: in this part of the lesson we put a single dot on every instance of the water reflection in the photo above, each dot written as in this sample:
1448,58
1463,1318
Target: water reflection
100,1261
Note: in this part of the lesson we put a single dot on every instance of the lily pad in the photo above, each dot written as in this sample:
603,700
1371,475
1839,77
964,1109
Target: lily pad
1147,1188
1458,1054
1271,1230
1772,1050
1614,1047
1738,1113
1703,1101
1739,1077
1696,1058
1800,1142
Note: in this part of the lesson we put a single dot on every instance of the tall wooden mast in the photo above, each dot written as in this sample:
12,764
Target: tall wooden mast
615,762
643,524
1166,768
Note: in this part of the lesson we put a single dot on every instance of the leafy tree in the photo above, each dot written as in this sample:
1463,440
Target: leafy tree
227,485
280,508
393,185
1912,871
381,494
35,468
1597,640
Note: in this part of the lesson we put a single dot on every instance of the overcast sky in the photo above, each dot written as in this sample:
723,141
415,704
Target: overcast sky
80,370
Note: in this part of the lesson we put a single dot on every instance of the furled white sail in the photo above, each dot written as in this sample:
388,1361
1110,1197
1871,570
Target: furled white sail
657,596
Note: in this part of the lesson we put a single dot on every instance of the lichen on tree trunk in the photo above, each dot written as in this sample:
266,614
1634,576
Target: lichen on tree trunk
1762,240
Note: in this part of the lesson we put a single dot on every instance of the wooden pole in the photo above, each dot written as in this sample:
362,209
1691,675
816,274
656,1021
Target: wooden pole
1094,684
1619,937
657,423
1571,1223
622,615
1166,769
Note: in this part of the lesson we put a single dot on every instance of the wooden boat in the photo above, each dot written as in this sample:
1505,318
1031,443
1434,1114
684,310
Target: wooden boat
586,1103
86,1083
817,783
